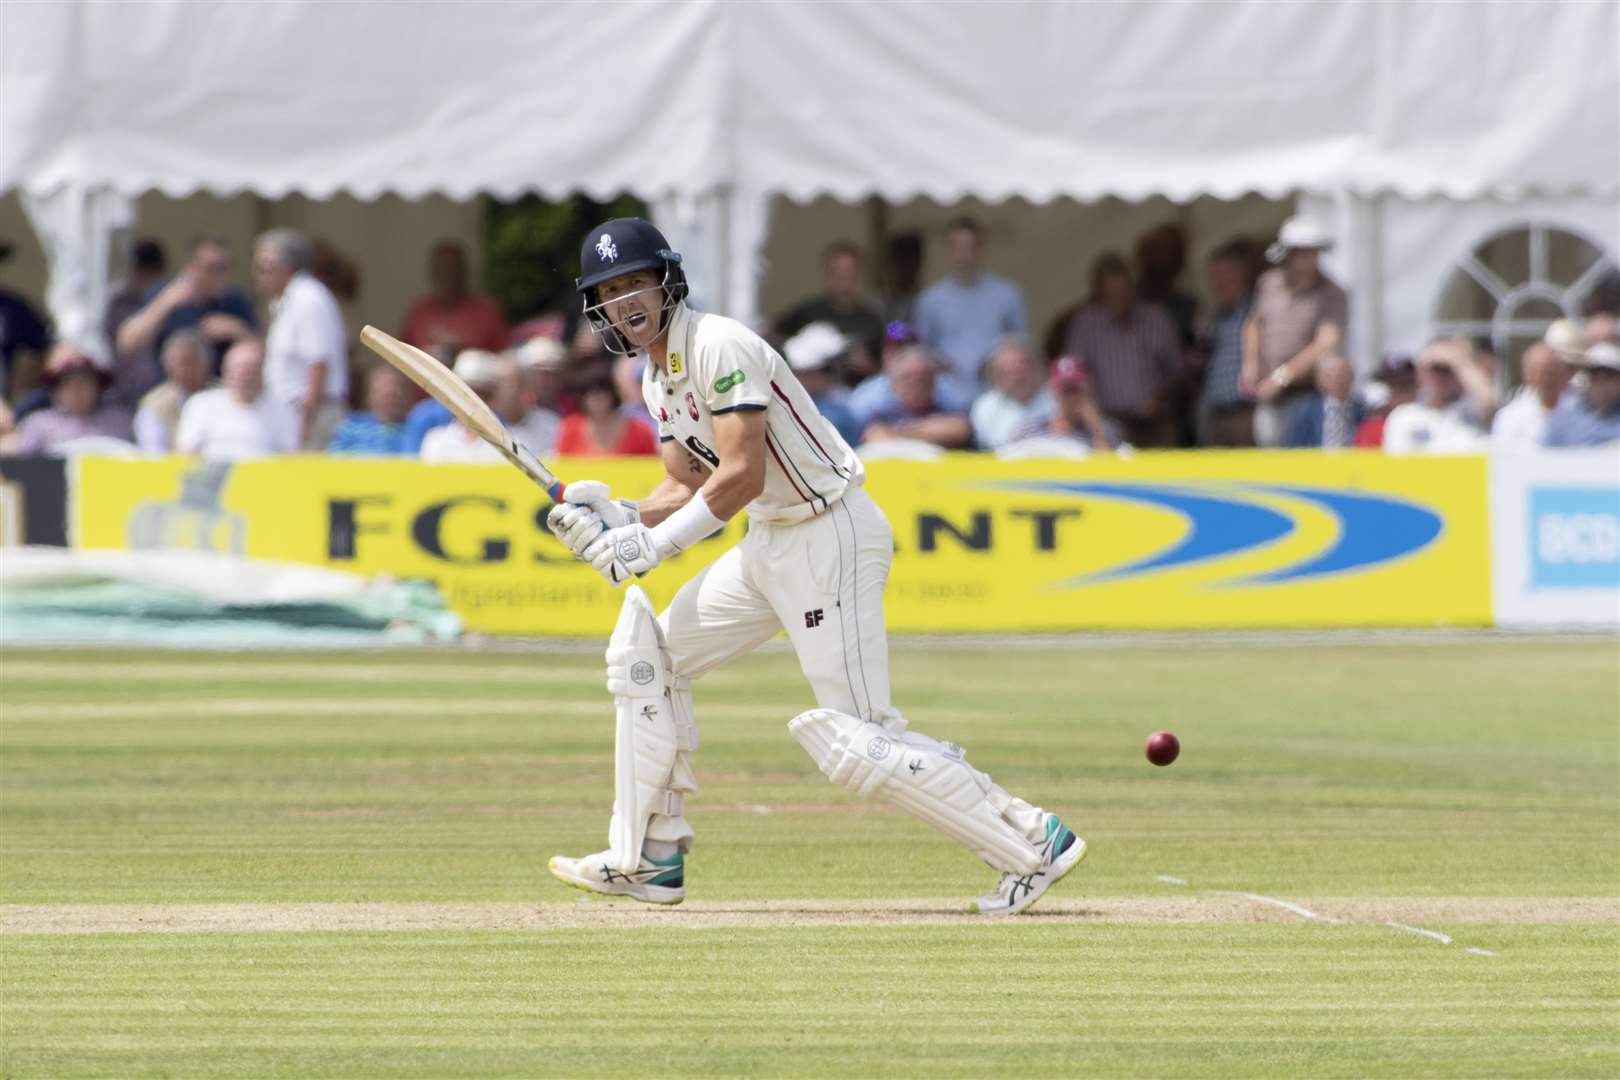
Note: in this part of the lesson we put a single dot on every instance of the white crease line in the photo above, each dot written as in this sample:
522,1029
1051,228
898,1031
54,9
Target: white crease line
1444,939
1303,912
1309,914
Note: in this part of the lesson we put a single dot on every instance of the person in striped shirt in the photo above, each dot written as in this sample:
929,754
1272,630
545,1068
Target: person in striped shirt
741,435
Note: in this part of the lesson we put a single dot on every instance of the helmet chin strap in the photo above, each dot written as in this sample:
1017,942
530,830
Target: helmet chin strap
612,333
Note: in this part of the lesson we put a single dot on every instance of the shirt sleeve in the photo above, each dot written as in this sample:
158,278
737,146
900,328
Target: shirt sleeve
151,435
30,435
737,375
1335,309
1017,315
188,440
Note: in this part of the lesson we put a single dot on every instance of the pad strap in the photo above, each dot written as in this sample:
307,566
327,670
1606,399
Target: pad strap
927,778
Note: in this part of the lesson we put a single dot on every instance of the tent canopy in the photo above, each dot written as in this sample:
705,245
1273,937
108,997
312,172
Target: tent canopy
1011,99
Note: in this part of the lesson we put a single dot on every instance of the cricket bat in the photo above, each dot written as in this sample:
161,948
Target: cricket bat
450,391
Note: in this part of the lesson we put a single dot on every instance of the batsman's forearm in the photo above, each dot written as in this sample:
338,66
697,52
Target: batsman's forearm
669,496
734,486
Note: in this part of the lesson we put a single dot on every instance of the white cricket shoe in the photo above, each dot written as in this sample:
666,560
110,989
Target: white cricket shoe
653,881
1061,852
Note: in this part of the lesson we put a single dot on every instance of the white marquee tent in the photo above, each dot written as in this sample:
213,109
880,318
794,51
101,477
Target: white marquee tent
1433,117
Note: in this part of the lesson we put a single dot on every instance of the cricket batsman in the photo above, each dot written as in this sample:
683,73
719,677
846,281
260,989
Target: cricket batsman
739,433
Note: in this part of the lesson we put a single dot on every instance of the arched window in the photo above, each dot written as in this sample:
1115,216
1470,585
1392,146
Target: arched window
1517,281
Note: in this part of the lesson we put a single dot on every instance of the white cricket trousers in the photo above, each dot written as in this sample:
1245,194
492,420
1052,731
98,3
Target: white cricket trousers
821,580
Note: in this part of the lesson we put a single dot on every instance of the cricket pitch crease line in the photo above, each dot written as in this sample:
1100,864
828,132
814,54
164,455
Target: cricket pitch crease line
1307,913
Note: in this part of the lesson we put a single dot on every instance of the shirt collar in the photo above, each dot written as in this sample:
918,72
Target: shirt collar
677,351
297,278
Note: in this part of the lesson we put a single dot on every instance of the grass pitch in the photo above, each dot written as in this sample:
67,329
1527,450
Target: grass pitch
308,864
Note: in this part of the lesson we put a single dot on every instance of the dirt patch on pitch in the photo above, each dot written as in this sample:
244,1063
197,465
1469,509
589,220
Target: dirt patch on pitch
588,914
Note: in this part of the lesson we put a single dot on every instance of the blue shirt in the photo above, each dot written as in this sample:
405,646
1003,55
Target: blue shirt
423,418
232,301
874,400
1226,354
834,408
1573,423
363,433
962,323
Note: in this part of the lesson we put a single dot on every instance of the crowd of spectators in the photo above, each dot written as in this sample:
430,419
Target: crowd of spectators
1135,362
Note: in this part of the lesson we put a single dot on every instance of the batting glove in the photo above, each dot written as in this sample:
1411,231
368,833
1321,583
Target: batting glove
587,510
627,548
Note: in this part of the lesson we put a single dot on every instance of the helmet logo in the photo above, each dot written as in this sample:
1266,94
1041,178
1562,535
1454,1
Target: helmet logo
606,250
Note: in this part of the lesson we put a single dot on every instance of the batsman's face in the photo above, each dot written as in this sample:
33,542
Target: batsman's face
631,302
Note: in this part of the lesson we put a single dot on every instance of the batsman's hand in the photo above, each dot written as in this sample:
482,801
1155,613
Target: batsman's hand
628,549
588,510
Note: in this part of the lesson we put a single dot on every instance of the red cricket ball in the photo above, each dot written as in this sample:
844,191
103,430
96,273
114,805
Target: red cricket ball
1162,748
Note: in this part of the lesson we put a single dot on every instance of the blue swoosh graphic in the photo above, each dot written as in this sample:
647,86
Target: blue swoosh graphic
1372,530
1216,527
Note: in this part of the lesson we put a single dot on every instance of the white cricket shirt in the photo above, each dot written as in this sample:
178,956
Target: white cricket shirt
717,365
306,325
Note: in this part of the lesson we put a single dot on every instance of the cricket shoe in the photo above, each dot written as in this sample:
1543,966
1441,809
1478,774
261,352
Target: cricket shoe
653,881
1061,852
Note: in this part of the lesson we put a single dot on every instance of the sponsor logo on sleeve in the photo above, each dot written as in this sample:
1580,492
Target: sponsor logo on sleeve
727,382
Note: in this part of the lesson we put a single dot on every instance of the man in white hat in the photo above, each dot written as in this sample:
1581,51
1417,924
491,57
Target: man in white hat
815,354
493,378
1590,417
1455,401
1299,317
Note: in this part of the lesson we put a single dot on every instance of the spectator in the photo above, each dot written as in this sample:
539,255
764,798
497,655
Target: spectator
1226,414
1602,327
1076,417
1590,417
962,316
903,278
23,333
449,317
535,426
876,396
627,372
75,383
1567,339
332,268
1298,318
1161,255
453,441
1018,397
1521,423
914,408
1455,402
1327,419
134,373
1132,354
200,297
381,429
239,419
599,428
1394,385
814,354
187,359
541,361
306,362
840,303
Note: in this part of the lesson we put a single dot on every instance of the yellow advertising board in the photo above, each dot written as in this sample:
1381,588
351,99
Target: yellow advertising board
1233,539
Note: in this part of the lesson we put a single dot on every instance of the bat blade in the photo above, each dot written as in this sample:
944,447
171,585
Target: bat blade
464,404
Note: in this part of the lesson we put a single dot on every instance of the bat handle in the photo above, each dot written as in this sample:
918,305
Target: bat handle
555,491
